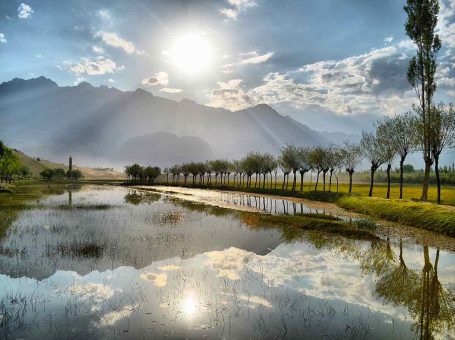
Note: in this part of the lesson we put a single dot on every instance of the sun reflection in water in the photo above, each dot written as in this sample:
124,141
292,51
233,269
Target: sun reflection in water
189,305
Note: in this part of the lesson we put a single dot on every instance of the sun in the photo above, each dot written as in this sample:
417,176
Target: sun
191,53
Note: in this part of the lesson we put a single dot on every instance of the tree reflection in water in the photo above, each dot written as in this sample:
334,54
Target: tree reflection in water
431,305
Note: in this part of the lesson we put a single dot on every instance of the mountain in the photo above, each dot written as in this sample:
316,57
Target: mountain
101,124
164,148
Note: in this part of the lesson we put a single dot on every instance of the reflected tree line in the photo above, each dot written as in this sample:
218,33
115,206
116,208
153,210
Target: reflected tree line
429,303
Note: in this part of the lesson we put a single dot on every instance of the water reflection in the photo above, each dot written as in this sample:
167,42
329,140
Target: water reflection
248,202
118,263
430,304
297,290
99,228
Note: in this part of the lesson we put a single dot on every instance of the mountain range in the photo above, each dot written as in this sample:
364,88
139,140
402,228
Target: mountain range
102,124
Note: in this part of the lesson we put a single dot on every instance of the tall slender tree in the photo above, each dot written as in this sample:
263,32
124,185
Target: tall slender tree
422,18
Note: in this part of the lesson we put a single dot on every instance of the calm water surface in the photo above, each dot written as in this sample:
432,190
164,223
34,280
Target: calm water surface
110,262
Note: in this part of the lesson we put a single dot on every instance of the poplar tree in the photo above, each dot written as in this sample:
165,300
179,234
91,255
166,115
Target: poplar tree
420,27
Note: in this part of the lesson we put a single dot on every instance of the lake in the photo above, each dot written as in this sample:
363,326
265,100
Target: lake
115,262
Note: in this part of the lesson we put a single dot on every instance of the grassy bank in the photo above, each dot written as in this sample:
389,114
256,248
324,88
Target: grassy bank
430,216
417,214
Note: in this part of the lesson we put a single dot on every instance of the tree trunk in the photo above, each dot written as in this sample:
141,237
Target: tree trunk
373,169
301,180
284,181
275,180
323,177
426,179
263,183
317,181
330,180
438,179
294,182
350,182
401,176
389,166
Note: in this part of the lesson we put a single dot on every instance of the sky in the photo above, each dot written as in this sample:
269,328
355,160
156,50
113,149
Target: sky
331,64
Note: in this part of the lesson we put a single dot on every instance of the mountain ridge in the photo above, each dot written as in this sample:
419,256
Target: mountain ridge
41,117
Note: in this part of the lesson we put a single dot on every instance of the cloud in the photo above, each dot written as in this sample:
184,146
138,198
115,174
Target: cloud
374,82
97,66
248,58
160,78
24,11
446,23
371,82
255,58
3,38
235,7
388,39
112,39
97,50
230,95
170,90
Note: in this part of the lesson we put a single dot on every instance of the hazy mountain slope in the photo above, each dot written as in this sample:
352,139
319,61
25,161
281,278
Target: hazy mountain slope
36,166
92,123
164,148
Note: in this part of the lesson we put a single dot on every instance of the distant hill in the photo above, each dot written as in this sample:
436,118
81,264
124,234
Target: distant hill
101,124
164,147
36,166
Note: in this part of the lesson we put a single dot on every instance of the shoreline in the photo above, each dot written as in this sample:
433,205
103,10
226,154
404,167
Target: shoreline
421,215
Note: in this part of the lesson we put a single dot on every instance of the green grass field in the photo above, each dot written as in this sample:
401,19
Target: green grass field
410,191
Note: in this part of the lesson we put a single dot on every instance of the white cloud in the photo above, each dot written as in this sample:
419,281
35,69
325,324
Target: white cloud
3,38
388,39
160,78
110,81
230,95
373,82
257,59
247,58
446,24
112,39
39,56
170,90
24,11
98,50
236,7
97,66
